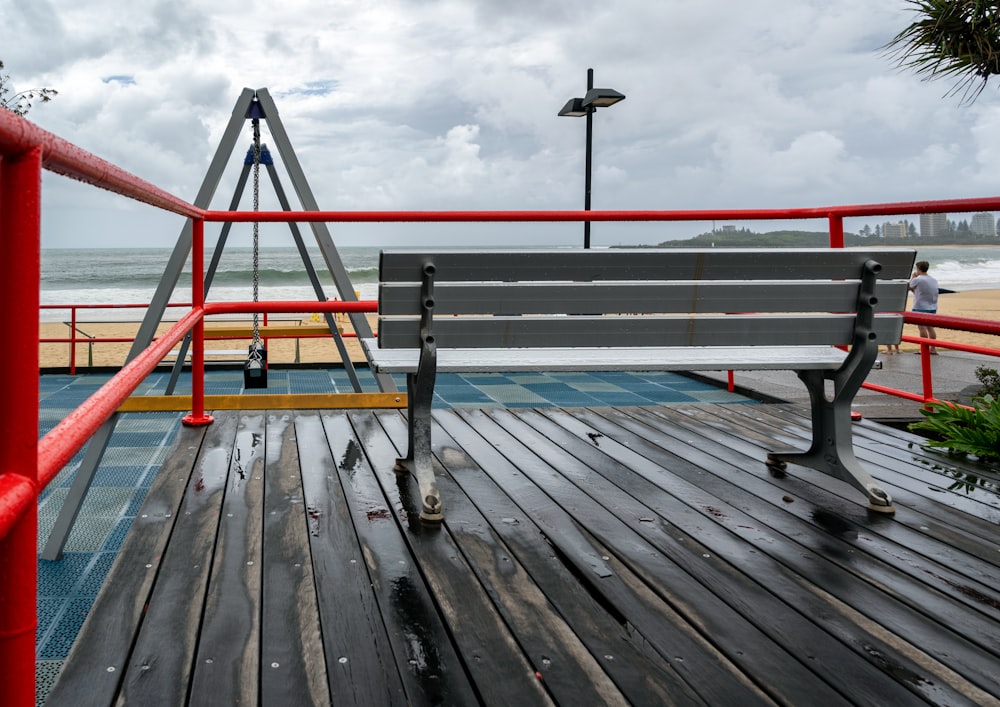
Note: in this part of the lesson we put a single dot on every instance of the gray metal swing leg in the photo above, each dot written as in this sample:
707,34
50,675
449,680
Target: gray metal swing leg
154,314
213,266
314,280
320,230
832,448
53,549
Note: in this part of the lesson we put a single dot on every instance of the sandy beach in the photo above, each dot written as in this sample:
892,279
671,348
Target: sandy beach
974,304
280,350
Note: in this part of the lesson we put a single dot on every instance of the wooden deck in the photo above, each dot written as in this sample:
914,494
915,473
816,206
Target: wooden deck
589,556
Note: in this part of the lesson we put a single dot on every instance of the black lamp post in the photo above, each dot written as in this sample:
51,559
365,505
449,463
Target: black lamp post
577,107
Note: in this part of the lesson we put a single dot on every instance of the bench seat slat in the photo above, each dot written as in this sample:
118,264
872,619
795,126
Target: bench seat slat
636,297
672,358
584,331
634,309
645,264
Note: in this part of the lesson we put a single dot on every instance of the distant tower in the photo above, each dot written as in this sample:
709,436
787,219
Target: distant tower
894,230
933,225
983,224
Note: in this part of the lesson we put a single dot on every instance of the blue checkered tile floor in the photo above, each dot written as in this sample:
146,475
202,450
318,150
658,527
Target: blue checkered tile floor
68,587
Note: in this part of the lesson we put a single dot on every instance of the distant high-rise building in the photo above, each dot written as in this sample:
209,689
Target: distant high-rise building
983,224
933,225
894,230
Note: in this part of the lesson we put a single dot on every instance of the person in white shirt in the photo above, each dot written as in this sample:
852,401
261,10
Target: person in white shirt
925,298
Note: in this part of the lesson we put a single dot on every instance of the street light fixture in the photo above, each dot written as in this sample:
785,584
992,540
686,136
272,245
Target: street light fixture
577,108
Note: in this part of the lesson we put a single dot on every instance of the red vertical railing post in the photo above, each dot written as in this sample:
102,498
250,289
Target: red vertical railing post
20,260
198,416
72,341
836,231
926,373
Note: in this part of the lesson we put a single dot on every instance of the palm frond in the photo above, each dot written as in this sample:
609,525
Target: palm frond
957,39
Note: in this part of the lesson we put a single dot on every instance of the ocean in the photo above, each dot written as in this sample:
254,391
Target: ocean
130,276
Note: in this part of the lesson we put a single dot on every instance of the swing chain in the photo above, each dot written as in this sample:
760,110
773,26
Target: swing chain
256,347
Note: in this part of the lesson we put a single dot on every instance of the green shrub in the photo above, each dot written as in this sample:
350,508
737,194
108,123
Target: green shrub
962,430
989,378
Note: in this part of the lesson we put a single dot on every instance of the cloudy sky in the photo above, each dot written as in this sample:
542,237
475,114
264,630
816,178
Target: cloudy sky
451,104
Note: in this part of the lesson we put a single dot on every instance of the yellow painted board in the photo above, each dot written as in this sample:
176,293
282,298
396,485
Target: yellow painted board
246,331
267,401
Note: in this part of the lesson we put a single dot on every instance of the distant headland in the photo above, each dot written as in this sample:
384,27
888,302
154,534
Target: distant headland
744,237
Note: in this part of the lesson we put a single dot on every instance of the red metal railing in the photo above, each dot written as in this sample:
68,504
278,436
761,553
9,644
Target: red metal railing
939,321
20,220
73,339
27,463
78,336
976,326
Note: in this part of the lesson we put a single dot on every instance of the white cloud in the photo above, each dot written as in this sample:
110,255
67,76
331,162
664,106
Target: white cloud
451,104
986,141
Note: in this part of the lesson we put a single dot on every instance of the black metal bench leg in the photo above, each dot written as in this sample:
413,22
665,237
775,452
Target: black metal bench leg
410,398
420,394
419,459
832,448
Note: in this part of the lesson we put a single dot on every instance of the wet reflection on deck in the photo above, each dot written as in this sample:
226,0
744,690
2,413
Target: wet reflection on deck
636,555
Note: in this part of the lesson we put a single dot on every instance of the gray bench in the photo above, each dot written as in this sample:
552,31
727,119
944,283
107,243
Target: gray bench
684,310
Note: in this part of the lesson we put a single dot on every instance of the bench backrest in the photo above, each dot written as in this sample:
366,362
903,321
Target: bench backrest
630,297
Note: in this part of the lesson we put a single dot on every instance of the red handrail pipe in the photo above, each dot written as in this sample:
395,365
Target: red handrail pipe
198,418
93,339
977,326
290,307
18,135
73,339
57,447
825,212
129,305
282,306
20,253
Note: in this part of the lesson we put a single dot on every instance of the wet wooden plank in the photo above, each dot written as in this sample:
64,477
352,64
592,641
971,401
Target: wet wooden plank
106,638
229,641
890,455
625,555
755,428
789,560
430,670
360,666
562,514
160,667
907,612
502,546
952,529
914,484
489,651
777,625
515,648
907,530
293,668
939,475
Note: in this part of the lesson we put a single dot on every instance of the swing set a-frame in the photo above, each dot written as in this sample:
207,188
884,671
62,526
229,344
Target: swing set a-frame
254,106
